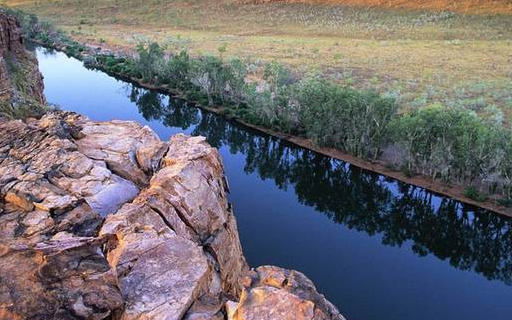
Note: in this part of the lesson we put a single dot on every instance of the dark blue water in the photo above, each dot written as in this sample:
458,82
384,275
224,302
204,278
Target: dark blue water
377,248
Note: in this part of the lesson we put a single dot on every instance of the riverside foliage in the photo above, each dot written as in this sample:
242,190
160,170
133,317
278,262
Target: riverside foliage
451,145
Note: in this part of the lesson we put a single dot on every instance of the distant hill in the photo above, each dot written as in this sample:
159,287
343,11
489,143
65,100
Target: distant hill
463,6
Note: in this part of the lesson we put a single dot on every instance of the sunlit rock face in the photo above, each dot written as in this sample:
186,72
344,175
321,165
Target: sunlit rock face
20,80
102,219
279,294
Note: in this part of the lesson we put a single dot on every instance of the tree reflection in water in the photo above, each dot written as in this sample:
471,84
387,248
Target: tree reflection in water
155,106
469,238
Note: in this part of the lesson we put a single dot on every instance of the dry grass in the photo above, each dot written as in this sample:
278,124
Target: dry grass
422,56
462,6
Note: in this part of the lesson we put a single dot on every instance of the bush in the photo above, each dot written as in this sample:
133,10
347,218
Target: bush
453,144
177,70
356,122
506,202
214,79
150,62
473,194
74,49
271,109
235,73
277,76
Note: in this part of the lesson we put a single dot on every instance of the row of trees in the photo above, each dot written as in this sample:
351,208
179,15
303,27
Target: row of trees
447,144
356,122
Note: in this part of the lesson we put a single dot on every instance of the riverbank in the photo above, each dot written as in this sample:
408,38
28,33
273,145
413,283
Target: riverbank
426,53
455,192
449,145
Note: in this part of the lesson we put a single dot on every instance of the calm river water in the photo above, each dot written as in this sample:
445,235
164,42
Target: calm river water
377,248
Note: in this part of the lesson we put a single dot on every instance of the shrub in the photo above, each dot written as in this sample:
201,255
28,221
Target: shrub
277,76
150,61
452,144
218,81
177,70
75,49
340,117
472,193
272,109
507,202
235,73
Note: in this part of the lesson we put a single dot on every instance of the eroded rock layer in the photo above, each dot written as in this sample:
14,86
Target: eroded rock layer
102,219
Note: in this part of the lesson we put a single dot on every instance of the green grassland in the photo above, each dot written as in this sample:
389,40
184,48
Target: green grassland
418,57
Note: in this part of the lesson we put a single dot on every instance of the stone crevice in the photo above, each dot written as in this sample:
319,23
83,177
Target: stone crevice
184,219
162,215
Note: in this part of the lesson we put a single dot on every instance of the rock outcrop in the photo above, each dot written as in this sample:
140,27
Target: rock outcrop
102,219
280,294
21,84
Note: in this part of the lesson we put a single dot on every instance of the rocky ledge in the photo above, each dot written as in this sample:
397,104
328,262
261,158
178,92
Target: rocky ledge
103,220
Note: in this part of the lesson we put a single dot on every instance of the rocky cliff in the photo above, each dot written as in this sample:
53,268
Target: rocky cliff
103,220
21,84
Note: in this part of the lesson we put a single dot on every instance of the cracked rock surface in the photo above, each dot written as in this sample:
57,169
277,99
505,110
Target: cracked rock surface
103,220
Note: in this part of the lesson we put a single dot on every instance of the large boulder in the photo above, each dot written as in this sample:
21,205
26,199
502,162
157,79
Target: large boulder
103,220
168,247
177,244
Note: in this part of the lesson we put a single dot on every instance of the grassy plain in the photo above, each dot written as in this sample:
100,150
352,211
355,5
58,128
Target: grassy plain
461,56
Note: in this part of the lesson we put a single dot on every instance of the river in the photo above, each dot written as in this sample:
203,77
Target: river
375,247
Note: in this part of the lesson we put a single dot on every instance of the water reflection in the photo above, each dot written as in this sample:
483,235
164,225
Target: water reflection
152,106
469,238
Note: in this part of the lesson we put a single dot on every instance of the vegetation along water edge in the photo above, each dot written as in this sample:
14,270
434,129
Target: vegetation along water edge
452,151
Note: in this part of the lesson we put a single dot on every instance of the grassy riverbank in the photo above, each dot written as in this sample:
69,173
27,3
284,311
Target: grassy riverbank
461,58
449,146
